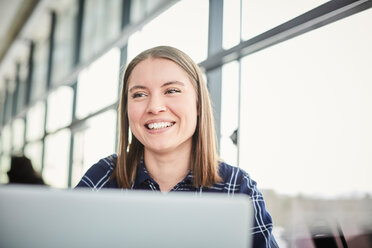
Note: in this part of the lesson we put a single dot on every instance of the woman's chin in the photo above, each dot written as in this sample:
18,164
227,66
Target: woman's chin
160,150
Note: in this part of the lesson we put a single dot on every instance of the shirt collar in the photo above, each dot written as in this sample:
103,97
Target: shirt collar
189,178
142,175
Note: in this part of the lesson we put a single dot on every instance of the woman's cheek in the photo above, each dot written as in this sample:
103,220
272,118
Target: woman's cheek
134,111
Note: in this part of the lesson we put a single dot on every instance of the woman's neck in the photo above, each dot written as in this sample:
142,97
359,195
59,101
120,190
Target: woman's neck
167,169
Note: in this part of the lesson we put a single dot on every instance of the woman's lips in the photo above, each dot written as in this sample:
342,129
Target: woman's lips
159,124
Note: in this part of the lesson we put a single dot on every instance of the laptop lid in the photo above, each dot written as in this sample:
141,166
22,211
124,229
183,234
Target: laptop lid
32,216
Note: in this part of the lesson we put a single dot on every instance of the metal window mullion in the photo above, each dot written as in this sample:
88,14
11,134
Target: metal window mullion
24,134
313,19
214,46
28,83
30,73
53,20
239,110
44,135
72,135
125,21
123,62
8,102
76,61
125,13
239,85
78,32
3,114
16,91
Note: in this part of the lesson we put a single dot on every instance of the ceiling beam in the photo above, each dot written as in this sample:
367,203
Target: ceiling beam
18,21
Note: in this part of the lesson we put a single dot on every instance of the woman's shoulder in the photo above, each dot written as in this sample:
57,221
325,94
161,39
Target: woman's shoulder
229,172
98,175
105,164
237,179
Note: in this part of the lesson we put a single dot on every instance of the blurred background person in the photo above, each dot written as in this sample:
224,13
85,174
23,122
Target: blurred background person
22,171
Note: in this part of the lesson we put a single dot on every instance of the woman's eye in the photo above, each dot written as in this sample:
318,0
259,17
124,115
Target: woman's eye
172,91
138,94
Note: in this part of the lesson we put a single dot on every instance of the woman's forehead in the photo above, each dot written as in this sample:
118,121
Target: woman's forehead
157,71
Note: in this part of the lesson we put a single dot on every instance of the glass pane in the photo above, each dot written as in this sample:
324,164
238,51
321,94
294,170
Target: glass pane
1,143
98,84
307,111
57,149
6,139
8,100
18,134
182,34
59,108
64,42
39,75
255,14
4,168
151,5
139,8
35,122
229,112
78,166
93,143
2,102
22,87
231,23
34,152
101,24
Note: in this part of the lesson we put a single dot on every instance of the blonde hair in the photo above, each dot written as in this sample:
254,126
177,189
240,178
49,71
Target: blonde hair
204,158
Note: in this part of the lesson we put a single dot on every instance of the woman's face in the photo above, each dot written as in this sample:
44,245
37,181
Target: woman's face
162,108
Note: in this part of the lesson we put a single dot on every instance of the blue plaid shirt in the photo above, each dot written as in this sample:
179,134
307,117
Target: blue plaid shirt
234,181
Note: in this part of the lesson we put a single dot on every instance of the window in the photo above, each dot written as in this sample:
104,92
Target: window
22,87
59,108
39,75
4,168
182,34
6,146
98,84
6,139
33,151
2,104
95,141
229,119
64,42
140,8
306,111
260,16
8,101
231,23
18,134
55,172
35,122
101,25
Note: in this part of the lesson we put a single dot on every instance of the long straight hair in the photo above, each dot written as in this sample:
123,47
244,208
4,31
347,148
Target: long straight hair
204,158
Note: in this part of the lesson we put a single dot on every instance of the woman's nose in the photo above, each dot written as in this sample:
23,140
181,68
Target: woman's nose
156,105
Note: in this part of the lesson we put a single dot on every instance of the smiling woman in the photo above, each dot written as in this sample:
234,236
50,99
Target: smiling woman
167,137
164,85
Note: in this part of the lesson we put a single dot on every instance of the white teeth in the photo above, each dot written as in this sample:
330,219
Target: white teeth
159,125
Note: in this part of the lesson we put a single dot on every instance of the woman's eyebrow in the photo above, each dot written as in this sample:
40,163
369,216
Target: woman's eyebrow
173,82
135,87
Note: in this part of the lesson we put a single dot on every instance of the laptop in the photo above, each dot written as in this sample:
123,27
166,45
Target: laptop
35,216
